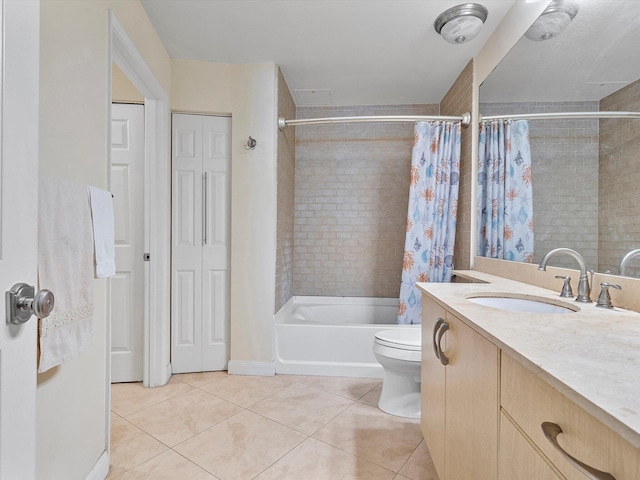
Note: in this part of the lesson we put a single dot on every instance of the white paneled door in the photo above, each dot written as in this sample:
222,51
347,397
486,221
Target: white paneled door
127,287
19,43
201,158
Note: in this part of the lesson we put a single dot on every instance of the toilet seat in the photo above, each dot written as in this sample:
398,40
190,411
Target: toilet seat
401,338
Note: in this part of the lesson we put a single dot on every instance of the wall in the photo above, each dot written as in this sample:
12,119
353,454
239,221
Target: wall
286,185
248,93
618,200
122,90
73,399
458,100
565,178
351,197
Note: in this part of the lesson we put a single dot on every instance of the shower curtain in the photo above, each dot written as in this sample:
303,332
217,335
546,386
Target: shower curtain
431,219
505,206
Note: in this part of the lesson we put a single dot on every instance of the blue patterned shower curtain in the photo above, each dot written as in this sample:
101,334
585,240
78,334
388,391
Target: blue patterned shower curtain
505,205
431,219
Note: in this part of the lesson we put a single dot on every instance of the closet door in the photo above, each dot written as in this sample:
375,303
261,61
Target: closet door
200,243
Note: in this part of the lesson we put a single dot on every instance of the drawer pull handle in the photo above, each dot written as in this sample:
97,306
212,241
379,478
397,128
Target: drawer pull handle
551,431
436,326
444,360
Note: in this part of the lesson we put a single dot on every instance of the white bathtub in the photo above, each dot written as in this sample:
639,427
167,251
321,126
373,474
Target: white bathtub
331,336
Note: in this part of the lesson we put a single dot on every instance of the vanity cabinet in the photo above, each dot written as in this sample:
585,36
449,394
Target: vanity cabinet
460,401
529,401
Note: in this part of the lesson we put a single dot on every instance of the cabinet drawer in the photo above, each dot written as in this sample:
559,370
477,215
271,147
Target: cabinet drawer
530,401
518,458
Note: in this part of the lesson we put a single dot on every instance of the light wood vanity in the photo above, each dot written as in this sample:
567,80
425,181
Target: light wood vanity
507,373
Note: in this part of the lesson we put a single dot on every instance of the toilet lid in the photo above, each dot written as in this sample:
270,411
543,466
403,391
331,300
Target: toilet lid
404,338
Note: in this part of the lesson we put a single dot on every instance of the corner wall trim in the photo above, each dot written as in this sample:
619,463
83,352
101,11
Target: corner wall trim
243,367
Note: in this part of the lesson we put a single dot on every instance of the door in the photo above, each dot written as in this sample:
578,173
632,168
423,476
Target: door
127,287
18,232
201,165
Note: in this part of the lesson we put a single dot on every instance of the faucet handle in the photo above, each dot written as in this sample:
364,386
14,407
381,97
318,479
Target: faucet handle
604,299
566,288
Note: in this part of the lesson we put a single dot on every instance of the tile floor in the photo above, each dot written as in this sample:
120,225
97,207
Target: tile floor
230,427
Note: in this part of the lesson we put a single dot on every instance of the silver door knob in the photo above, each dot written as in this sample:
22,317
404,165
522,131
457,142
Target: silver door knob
22,302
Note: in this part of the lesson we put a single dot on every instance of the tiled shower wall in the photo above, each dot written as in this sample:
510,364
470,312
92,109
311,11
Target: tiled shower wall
286,179
351,195
457,101
619,202
565,178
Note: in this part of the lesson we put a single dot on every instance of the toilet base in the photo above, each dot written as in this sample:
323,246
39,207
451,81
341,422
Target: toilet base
401,394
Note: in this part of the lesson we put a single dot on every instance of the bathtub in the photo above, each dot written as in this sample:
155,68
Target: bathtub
331,336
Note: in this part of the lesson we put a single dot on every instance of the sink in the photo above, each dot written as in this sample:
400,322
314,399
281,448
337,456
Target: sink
521,303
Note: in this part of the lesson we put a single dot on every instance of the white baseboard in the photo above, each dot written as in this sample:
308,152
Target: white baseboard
241,367
101,468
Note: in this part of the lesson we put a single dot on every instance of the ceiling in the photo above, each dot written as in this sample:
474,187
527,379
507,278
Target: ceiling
597,54
338,52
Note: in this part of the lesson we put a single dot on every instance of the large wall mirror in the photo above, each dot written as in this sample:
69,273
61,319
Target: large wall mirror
584,179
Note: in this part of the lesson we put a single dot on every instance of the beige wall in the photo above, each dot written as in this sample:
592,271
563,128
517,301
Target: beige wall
457,101
122,90
248,93
72,399
286,185
351,196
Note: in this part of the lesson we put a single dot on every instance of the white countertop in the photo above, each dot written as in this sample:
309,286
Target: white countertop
592,355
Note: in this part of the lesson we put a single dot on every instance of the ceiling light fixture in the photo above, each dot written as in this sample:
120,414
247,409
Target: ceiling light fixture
461,23
552,21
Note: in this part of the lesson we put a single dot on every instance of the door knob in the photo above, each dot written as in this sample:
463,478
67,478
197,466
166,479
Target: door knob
22,302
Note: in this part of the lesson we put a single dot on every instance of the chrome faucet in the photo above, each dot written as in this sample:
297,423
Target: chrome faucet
627,258
583,284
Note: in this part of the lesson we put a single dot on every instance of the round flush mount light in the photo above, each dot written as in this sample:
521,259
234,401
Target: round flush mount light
552,21
461,23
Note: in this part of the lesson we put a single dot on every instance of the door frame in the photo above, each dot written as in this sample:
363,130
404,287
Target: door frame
157,206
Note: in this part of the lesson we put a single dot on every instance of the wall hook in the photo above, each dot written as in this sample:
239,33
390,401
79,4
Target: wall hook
251,144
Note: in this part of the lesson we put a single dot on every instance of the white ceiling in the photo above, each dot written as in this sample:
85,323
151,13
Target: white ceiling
597,54
363,52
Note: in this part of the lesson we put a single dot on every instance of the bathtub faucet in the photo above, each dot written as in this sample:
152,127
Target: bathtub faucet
583,285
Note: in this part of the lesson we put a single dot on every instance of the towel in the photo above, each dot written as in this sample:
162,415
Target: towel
103,232
65,266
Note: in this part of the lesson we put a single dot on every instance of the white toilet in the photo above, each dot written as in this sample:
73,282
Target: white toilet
398,351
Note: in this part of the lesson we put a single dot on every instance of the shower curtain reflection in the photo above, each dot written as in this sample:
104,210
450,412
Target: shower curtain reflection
505,206
431,219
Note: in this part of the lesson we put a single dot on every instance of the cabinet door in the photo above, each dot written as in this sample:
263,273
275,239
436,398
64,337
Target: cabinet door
432,416
518,459
471,449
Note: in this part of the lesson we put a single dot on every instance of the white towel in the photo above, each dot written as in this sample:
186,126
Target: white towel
65,266
103,232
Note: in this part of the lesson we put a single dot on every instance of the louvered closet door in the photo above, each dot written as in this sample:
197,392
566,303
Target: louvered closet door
200,253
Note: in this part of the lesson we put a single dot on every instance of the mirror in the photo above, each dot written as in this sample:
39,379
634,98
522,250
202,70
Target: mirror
585,173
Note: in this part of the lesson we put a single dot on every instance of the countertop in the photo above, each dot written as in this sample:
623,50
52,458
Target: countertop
592,355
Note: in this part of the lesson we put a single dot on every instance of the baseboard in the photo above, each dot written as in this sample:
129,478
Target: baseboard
101,468
242,367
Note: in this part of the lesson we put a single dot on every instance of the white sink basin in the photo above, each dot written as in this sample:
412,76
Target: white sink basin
521,304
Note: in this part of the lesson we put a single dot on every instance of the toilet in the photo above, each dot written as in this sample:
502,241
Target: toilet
398,351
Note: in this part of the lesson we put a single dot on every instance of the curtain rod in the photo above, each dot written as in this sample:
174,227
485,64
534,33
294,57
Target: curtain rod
464,119
557,115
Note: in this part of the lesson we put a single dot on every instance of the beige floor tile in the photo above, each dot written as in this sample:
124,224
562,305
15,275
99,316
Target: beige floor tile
302,407
369,433
167,466
240,447
400,477
183,416
420,465
372,397
130,446
353,388
198,379
128,398
245,390
318,461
